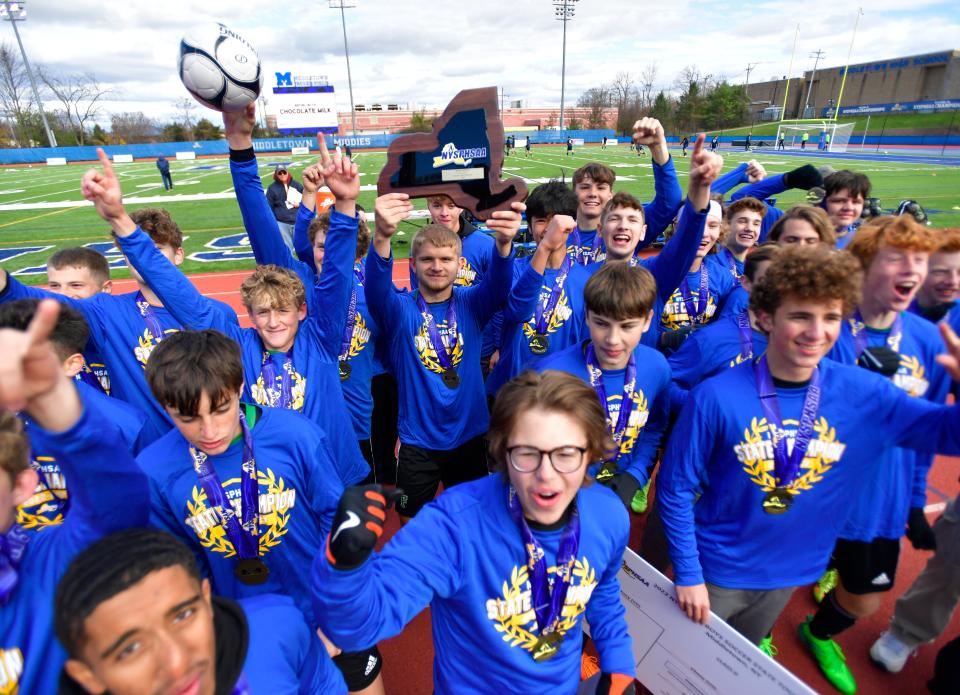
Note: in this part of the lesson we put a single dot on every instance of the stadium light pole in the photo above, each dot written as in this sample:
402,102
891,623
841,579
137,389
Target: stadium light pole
14,12
786,92
816,55
846,68
563,11
342,5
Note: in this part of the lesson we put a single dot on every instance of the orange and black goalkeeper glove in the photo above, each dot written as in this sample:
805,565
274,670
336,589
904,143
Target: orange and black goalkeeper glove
616,684
358,524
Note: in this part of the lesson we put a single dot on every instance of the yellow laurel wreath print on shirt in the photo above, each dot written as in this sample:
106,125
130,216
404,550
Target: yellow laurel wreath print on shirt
755,453
428,356
512,612
561,313
675,316
270,397
275,502
45,506
146,344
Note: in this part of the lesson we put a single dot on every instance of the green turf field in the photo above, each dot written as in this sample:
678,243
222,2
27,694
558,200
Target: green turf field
48,213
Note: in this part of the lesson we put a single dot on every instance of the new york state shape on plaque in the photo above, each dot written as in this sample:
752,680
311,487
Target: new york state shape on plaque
462,157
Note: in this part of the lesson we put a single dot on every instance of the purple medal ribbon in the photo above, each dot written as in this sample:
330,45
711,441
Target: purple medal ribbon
546,308
547,604
268,372
626,405
243,533
731,261
12,545
858,328
746,335
586,257
697,313
351,316
149,315
786,467
443,352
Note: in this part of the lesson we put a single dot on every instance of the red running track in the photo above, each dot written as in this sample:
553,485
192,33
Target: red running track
408,658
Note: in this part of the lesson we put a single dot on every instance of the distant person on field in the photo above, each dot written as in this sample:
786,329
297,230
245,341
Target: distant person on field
780,145
569,146
684,144
714,143
747,142
284,196
527,146
164,166
803,140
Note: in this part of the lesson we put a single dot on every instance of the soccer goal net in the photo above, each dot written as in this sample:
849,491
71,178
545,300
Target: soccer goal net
823,136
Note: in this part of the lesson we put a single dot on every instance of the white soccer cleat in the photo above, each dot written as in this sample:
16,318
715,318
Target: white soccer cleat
890,653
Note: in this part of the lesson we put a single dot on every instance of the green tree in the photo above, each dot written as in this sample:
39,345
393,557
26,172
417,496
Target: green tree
551,120
662,110
574,124
99,136
419,123
725,106
174,132
205,130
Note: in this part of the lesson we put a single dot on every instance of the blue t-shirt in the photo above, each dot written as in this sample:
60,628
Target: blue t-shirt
432,414
710,350
107,490
50,501
299,492
898,480
119,332
657,214
314,376
669,268
463,555
720,283
284,654
718,469
520,320
650,396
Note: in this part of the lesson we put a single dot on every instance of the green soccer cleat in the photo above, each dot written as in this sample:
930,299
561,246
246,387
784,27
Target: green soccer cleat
825,585
639,502
768,647
830,659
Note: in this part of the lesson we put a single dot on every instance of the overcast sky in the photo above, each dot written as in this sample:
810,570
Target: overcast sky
424,51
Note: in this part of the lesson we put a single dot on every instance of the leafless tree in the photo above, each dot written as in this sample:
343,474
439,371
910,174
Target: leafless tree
14,89
132,127
648,78
186,106
80,97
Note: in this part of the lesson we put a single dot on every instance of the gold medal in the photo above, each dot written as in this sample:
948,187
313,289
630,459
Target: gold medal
547,646
777,501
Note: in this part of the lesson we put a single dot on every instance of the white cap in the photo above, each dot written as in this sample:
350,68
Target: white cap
715,210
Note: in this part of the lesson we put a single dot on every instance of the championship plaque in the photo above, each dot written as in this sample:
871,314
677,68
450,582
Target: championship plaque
462,157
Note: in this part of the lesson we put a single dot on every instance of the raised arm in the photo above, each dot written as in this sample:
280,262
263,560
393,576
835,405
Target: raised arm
175,291
106,488
382,300
359,599
670,266
490,295
332,293
667,194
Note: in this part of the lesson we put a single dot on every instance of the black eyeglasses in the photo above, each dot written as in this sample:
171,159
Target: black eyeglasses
564,459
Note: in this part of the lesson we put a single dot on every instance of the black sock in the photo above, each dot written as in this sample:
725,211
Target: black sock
830,619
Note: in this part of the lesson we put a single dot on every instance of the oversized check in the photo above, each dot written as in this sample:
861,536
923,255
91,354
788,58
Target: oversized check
676,656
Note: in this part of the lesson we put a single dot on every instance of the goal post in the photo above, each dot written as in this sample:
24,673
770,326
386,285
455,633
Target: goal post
822,135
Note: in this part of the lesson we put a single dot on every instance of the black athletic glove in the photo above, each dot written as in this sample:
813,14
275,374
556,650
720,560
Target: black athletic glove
625,485
358,524
616,684
880,359
804,178
672,340
919,531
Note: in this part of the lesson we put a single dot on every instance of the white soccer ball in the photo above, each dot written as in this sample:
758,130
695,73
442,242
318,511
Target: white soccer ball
219,68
